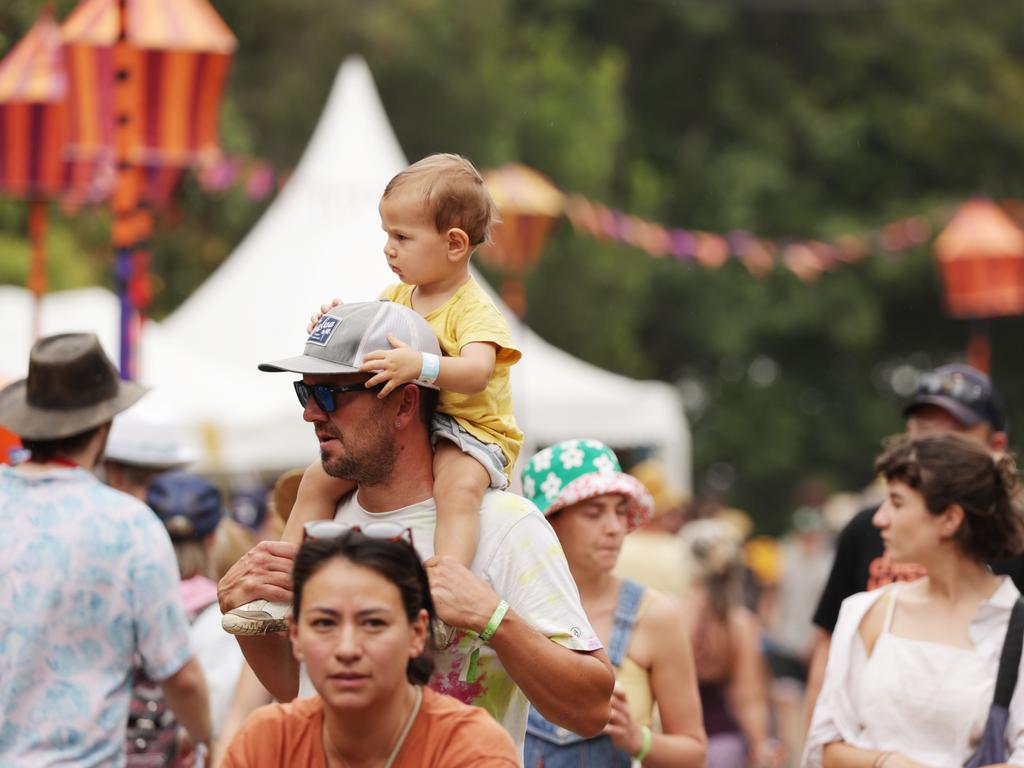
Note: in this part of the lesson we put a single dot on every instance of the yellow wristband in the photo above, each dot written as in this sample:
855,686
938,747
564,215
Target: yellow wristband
645,749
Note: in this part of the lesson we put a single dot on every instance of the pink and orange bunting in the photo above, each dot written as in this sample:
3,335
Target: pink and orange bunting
807,259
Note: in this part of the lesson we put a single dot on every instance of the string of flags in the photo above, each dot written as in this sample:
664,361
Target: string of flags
258,178
807,259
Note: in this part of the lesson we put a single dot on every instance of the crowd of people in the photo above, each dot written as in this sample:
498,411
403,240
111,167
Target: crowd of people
400,606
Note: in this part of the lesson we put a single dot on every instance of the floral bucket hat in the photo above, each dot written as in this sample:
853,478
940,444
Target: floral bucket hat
575,470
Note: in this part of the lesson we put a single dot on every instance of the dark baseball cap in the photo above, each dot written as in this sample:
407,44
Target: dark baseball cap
189,505
964,392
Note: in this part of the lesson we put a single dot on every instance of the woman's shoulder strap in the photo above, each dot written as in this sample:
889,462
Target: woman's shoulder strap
631,595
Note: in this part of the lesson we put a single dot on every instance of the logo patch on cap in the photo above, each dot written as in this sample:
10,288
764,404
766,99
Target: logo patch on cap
325,328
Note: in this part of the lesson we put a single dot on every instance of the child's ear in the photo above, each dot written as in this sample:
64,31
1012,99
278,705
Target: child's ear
458,244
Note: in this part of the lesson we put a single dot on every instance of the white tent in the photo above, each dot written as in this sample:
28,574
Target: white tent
321,238
98,310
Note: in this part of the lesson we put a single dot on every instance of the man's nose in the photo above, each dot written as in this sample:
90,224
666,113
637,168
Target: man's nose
312,412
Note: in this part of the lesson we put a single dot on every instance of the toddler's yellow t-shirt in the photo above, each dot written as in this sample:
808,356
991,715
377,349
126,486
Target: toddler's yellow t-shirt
470,316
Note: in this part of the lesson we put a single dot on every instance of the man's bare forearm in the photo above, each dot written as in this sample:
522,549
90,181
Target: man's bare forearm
270,657
186,694
569,688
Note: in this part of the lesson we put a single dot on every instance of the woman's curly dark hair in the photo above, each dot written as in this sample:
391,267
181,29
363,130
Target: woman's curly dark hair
396,561
948,468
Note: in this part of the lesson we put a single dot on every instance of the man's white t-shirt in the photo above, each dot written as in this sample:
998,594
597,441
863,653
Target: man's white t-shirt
520,557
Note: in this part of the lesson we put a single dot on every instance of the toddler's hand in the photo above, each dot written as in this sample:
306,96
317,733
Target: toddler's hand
324,309
393,367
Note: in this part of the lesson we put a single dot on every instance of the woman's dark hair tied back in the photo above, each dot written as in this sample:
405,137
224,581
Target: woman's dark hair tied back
948,468
1006,474
396,561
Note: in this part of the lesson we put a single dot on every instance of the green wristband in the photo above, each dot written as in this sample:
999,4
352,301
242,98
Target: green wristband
494,622
485,637
645,749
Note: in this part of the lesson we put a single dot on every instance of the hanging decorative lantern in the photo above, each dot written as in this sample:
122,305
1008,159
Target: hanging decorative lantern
33,124
529,205
177,55
33,132
146,82
981,257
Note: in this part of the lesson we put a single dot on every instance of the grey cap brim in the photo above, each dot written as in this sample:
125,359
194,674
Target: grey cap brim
305,364
966,416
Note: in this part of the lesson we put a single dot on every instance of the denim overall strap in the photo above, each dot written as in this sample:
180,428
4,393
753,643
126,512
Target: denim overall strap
630,595
551,746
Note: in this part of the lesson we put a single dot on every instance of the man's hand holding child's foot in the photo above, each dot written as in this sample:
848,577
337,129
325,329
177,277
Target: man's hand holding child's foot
263,570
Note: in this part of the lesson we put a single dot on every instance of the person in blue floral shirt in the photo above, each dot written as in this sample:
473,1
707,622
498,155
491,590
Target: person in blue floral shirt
88,577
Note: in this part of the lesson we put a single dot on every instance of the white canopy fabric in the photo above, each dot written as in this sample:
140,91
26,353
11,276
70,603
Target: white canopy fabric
96,310
321,238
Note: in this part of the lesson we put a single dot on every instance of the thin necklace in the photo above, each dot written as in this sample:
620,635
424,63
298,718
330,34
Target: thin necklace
402,736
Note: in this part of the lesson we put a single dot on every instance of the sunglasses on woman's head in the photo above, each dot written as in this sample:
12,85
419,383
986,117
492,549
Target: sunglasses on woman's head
325,395
332,529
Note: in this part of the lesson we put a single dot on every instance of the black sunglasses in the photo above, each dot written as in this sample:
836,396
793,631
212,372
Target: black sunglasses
324,395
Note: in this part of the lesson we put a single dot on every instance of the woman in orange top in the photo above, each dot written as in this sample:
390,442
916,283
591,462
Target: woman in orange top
361,626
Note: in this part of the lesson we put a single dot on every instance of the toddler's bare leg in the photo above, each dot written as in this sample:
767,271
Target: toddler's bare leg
316,499
459,485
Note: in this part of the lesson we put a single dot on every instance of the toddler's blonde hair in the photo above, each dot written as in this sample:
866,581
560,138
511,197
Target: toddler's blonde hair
453,192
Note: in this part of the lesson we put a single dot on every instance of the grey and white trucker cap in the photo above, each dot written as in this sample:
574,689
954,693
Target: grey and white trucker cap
348,332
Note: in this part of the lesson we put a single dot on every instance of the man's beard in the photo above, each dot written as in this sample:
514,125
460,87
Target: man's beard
373,466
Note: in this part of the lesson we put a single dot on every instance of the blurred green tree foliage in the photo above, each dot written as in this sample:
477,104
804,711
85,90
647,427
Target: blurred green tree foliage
787,118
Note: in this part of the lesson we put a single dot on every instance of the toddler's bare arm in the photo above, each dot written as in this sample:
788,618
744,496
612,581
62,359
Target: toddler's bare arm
467,374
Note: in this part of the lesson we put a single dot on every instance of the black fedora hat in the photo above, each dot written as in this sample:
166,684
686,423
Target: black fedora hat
72,386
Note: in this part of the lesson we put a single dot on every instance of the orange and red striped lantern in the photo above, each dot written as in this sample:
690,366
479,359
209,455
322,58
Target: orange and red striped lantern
179,52
33,120
981,256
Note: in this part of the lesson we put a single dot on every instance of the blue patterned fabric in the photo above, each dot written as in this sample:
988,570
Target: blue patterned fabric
88,578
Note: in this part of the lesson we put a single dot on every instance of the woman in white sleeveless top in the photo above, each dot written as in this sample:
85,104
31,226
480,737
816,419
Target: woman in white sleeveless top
912,667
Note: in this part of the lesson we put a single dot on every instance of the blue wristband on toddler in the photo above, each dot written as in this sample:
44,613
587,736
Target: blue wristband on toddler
430,369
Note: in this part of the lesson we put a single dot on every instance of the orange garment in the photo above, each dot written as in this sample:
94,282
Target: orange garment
446,733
